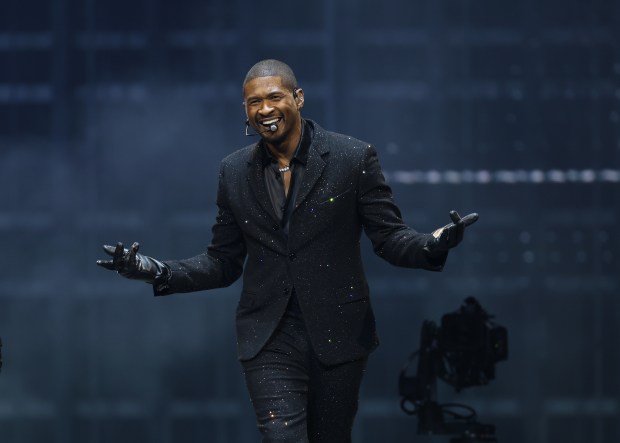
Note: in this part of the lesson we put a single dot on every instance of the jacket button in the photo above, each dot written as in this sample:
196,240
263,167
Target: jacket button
285,291
292,256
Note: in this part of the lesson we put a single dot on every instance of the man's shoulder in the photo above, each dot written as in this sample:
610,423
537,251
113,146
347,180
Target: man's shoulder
347,141
338,141
240,156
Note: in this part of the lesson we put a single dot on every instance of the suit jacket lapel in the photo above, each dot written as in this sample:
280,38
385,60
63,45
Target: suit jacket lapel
314,165
256,180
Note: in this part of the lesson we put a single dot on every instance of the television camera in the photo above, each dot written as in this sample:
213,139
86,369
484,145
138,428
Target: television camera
462,352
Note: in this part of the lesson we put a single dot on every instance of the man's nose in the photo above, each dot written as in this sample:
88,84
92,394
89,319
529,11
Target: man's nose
266,107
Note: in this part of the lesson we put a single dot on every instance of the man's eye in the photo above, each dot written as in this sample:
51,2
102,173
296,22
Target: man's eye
253,102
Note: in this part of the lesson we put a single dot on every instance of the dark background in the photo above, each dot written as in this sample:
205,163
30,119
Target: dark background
114,116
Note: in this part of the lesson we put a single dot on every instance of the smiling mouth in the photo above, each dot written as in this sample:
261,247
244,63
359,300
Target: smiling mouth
271,121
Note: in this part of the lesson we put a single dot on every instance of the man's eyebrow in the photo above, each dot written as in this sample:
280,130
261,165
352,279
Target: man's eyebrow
268,94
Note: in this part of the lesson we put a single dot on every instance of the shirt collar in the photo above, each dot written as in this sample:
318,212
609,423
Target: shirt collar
301,153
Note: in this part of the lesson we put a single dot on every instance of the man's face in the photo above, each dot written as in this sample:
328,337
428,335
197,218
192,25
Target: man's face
267,101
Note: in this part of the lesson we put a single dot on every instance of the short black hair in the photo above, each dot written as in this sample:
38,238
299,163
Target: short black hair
272,68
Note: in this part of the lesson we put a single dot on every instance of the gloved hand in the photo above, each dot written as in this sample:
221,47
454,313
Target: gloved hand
130,264
450,235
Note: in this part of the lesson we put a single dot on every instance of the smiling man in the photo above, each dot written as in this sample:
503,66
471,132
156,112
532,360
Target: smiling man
291,210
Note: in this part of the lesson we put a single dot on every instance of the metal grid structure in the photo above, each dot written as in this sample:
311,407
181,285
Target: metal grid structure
114,115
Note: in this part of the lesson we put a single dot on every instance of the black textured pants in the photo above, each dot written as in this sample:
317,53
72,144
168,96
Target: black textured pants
296,398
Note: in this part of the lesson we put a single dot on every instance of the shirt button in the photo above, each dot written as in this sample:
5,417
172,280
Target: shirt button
275,227
292,256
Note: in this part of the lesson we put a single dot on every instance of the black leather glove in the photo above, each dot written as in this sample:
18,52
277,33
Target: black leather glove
450,235
130,264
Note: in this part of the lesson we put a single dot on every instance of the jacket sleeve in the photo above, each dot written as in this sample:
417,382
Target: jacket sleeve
220,265
391,238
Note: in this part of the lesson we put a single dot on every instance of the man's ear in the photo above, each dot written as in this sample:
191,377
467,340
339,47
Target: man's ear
299,97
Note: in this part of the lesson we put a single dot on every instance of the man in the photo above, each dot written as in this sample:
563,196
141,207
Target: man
292,207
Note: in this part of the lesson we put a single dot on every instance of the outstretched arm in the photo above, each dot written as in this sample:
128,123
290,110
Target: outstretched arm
392,239
219,266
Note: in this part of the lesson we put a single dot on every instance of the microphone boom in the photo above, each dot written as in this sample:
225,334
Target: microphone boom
272,128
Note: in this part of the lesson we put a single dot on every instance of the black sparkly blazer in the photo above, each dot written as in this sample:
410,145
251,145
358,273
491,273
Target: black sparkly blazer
343,191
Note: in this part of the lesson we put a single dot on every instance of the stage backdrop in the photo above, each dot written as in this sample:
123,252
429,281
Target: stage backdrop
114,115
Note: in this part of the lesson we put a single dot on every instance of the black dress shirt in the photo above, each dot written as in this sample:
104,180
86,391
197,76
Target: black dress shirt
283,203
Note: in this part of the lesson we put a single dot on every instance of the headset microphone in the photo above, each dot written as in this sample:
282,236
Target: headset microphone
272,128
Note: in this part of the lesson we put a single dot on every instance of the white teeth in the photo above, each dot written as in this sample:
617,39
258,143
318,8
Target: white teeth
269,122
